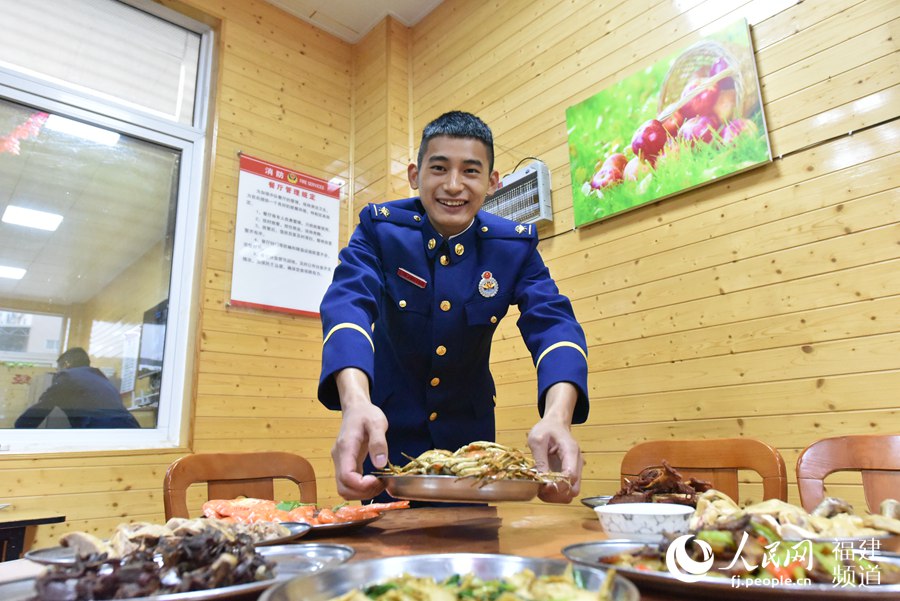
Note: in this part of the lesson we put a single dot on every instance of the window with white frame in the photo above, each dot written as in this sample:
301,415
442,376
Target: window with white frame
103,107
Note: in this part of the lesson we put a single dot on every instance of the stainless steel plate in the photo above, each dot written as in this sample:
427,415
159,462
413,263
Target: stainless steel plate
453,488
66,555
596,501
341,527
52,555
291,561
589,554
297,529
331,583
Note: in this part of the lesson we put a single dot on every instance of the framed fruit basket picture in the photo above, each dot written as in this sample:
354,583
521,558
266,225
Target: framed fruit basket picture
682,122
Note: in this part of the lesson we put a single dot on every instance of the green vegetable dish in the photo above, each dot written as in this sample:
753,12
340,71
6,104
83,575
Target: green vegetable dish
524,586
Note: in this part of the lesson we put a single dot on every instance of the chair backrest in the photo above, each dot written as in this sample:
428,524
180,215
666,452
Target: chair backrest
877,456
231,475
715,460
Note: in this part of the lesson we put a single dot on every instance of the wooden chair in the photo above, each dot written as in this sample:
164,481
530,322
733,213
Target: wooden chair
230,475
714,460
877,456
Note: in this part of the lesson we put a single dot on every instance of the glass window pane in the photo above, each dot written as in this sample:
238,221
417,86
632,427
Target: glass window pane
108,48
29,337
86,233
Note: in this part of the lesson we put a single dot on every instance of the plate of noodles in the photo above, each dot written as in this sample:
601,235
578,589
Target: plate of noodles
480,471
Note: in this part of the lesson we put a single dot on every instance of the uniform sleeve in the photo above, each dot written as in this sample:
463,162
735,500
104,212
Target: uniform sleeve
348,310
552,334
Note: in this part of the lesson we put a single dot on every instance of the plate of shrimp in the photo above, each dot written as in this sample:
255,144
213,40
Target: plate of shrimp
320,519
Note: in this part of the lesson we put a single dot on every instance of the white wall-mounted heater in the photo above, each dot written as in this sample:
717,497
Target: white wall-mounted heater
523,195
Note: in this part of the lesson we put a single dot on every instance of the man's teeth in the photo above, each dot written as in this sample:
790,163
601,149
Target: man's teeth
453,203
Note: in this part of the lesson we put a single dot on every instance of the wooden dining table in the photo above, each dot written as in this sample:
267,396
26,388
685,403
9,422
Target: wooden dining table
531,530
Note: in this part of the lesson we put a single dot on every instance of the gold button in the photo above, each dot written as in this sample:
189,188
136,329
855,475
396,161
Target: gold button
484,229
445,305
431,244
402,303
459,249
441,350
444,260
432,417
417,218
493,319
435,381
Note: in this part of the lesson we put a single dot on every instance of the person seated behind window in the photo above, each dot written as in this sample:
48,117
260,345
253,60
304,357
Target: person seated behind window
86,396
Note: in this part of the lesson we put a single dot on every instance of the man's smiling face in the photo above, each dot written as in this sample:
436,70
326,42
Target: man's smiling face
454,178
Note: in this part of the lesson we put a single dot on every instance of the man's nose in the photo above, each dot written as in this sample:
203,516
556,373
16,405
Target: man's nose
454,181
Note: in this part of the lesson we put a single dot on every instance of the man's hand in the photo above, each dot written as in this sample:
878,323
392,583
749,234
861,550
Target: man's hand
363,428
553,446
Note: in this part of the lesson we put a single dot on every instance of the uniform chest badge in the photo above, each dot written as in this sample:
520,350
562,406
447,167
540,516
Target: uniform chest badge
488,286
412,278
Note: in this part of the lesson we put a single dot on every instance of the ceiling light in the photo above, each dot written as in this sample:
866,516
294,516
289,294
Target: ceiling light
13,273
82,130
30,218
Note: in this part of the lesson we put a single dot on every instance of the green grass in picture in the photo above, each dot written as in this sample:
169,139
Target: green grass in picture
680,169
705,132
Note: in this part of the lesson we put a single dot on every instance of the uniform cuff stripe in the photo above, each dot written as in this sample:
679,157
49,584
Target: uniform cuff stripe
560,345
352,326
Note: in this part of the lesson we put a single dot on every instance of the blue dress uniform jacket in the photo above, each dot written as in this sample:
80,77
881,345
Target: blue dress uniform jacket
417,312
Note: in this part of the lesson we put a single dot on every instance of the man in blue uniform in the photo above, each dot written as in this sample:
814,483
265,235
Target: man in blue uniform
410,314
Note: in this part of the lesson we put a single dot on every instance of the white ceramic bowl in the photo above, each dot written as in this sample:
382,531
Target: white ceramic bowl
646,522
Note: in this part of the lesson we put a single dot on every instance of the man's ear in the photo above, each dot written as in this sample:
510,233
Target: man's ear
412,173
494,182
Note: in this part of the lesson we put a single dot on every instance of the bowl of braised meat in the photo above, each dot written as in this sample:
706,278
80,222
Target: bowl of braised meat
661,484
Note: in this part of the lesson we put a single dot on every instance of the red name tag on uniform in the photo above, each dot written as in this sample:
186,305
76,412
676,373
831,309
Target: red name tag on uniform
411,278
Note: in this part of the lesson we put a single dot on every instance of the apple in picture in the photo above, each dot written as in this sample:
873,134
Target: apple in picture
648,140
672,123
721,64
606,178
636,169
614,161
703,102
609,172
699,129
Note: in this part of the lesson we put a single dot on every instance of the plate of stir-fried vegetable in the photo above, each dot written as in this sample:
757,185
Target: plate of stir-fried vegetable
457,576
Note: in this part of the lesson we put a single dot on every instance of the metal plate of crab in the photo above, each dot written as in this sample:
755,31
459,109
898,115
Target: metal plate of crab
456,489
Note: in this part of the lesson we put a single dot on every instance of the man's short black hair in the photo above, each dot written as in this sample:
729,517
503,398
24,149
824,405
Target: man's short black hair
458,124
74,357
